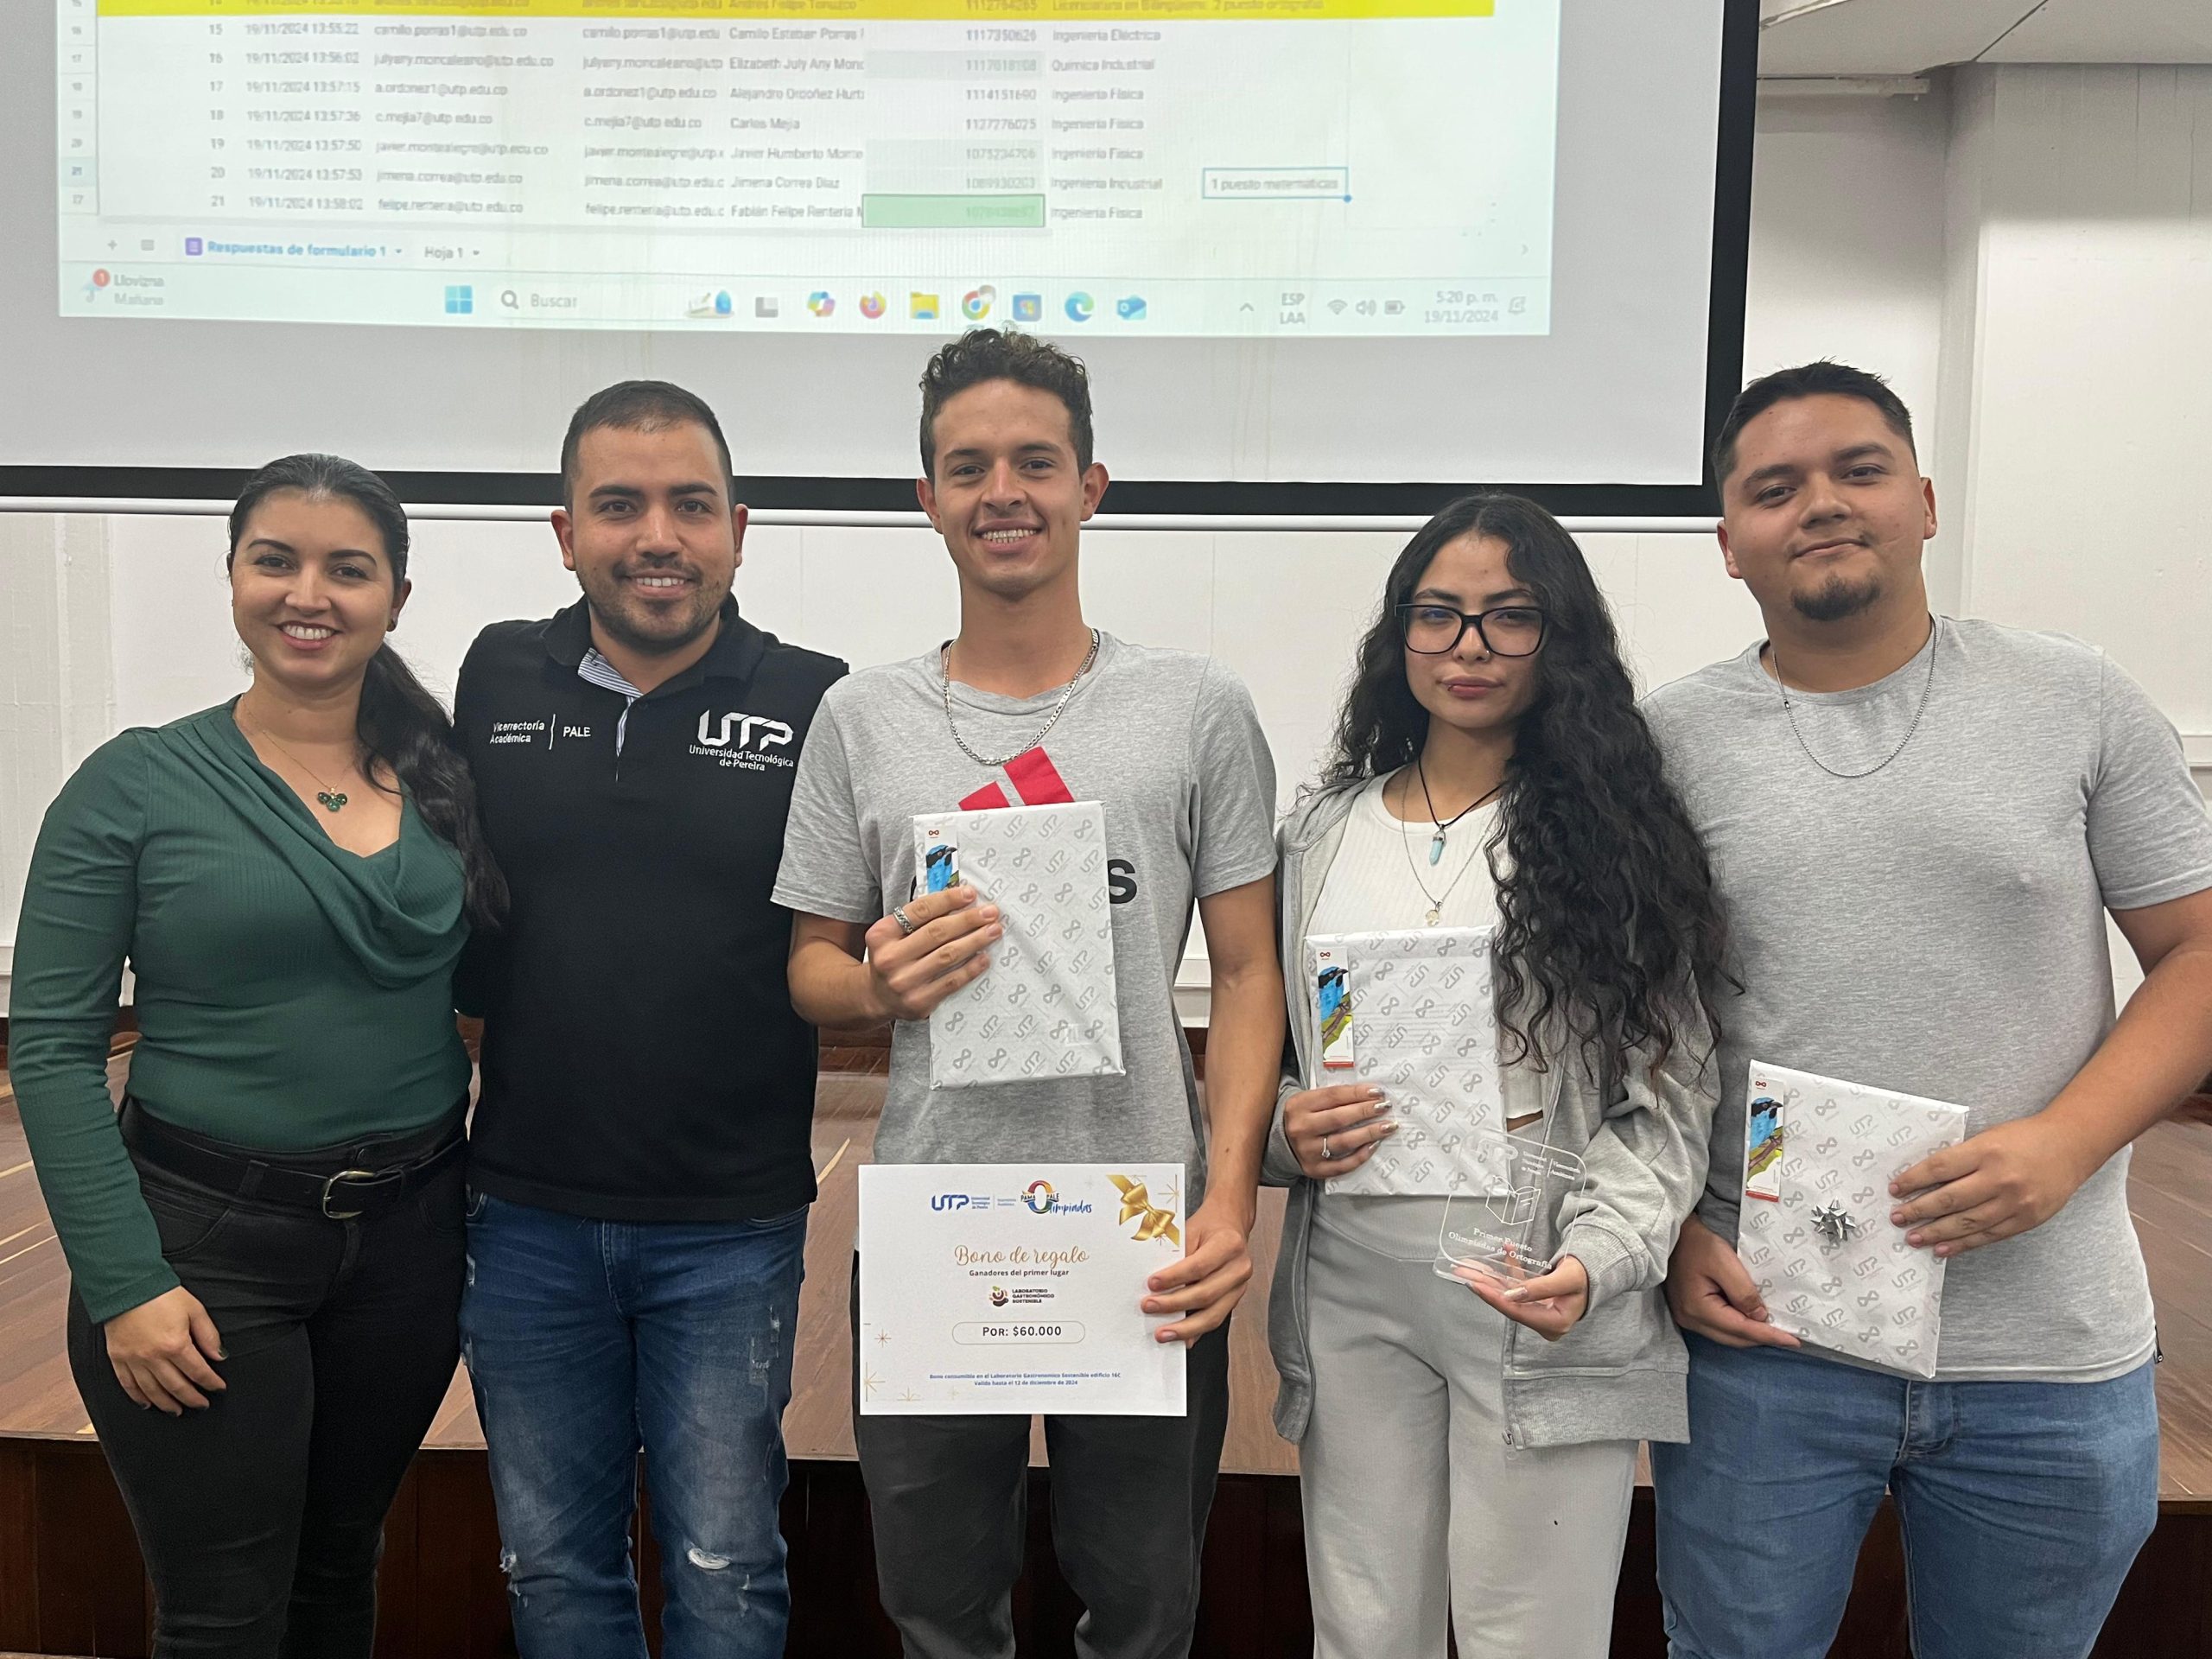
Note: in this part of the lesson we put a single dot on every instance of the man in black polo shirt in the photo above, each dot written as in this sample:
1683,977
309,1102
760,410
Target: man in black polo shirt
640,1161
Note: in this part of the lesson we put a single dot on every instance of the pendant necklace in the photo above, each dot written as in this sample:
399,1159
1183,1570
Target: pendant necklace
1436,842
328,799
1405,839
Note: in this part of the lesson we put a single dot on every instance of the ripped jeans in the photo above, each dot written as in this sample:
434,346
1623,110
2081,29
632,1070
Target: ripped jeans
587,1340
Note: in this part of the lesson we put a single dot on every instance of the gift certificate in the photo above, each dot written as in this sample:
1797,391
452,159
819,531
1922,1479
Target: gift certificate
1015,1288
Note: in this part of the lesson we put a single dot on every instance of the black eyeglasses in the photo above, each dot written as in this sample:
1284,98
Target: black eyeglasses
1509,631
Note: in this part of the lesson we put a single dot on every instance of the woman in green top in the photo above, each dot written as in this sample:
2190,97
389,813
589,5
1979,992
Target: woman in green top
265,1244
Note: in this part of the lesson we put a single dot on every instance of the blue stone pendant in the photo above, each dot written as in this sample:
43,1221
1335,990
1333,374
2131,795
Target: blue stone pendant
1436,847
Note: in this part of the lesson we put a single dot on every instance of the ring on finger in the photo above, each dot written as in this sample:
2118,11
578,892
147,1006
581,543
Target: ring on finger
1325,1153
899,915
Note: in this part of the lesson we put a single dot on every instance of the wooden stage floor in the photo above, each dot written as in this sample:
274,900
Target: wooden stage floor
2170,1194
38,1398
442,1584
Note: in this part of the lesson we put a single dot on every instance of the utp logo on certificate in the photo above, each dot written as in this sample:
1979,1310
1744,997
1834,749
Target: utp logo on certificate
1014,1288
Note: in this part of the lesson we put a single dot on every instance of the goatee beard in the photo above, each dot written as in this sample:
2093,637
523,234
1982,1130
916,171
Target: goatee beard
1835,599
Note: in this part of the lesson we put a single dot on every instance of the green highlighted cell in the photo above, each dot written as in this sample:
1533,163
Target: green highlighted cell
893,213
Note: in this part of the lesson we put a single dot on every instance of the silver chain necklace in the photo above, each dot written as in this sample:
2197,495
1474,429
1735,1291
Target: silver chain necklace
1406,841
944,659
1789,710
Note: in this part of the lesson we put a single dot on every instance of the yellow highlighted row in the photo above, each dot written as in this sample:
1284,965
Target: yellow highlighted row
967,11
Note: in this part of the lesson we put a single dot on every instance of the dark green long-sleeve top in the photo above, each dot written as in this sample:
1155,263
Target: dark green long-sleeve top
290,994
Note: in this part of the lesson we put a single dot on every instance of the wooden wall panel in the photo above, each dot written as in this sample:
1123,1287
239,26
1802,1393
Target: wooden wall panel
2165,1610
458,1606
18,1547
70,1580
92,1593
834,1604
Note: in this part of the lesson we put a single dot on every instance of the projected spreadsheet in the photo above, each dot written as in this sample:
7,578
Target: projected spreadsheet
1273,168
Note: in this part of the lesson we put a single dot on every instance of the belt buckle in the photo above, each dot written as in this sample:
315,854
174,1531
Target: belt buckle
345,1175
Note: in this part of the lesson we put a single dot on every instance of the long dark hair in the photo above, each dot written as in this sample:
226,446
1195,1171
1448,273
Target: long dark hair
401,724
1607,914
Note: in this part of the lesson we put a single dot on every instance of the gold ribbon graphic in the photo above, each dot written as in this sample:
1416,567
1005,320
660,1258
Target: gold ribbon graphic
1152,1221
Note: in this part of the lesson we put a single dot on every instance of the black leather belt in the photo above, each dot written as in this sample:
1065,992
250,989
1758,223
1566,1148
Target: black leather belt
342,1194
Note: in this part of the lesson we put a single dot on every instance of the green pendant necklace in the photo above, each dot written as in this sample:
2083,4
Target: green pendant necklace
327,797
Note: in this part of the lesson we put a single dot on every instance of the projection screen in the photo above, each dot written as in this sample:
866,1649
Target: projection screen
1326,255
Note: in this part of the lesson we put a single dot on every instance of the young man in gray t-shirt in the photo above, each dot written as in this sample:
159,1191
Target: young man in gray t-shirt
1028,704
1917,826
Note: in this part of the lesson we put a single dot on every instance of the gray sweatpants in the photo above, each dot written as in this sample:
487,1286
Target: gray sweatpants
1415,1506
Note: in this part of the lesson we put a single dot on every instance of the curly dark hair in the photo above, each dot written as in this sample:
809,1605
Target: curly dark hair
1608,916
984,354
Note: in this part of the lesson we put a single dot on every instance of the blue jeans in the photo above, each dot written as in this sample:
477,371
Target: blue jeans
2022,1505
588,1339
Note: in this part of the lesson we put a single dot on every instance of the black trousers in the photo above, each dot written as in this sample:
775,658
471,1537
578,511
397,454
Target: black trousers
261,1518
949,1498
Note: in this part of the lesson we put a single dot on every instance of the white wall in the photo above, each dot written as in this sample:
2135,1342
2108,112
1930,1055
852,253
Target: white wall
1283,610
2026,257
1279,609
1846,253
2078,408
57,691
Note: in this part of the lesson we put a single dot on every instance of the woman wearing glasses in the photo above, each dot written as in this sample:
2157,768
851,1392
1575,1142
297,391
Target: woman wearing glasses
1468,1446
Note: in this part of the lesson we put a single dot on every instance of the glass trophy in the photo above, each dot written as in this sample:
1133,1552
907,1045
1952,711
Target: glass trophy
1505,1223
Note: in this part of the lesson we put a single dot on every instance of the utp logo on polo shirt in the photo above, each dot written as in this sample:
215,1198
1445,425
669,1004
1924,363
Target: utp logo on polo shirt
752,743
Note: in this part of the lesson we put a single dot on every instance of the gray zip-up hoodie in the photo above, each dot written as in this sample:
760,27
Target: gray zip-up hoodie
1618,1375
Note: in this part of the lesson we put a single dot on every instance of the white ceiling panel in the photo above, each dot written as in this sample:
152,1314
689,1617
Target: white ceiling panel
2111,31
1886,37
